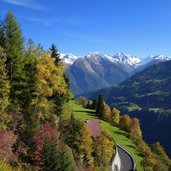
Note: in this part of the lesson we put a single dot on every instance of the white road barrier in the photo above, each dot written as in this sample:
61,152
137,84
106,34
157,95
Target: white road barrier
116,162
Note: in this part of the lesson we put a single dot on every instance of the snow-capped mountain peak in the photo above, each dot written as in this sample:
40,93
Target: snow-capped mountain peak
126,59
96,55
69,58
152,58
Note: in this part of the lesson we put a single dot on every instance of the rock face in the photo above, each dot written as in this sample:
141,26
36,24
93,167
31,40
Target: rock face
97,71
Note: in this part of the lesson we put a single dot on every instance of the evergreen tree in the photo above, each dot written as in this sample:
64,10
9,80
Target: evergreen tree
4,82
94,105
55,159
100,105
89,104
59,98
31,55
1,34
50,156
66,160
73,134
14,44
55,54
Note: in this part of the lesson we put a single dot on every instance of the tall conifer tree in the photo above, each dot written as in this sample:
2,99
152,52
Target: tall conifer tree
59,98
100,105
14,44
55,54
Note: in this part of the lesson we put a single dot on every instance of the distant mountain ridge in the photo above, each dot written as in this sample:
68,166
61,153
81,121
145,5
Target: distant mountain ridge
147,96
149,88
97,71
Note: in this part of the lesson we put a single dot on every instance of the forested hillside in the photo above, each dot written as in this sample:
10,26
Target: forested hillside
149,88
37,128
147,96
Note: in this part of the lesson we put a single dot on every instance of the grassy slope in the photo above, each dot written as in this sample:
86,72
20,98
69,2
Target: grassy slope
119,136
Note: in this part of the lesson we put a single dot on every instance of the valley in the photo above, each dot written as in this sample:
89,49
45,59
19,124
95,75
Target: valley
147,96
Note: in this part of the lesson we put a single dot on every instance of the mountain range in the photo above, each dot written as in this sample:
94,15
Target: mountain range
147,96
149,88
96,71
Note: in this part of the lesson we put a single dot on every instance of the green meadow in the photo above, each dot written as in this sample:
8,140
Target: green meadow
121,137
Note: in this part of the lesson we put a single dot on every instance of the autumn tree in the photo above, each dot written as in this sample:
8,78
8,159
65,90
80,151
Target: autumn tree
59,99
45,132
115,116
82,101
135,128
87,146
103,151
105,112
5,118
162,156
4,82
48,80
7,140
5,166
125,122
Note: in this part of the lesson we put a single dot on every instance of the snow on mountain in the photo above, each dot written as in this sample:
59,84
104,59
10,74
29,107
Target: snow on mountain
152,58
121,58
96,57
126,59
69,58
96,70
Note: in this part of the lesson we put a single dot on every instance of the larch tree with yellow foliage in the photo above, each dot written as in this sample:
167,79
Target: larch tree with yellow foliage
49,81
135,128
87,145
4,82
103,150
115,116
106,112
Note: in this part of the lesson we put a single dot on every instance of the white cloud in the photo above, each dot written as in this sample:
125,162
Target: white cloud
85,37
27,3
51,21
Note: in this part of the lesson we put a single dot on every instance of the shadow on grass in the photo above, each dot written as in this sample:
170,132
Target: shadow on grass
121,133
82,111
139,154
132,146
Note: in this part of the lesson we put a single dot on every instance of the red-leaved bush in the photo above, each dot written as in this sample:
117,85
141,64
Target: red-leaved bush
7,139
46,131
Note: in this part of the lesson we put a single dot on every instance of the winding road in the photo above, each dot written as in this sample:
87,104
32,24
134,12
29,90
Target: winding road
126,160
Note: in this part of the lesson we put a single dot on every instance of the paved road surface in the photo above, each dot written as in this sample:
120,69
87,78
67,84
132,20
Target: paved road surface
126,161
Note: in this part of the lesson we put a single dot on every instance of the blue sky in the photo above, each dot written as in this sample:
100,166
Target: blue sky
136,27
